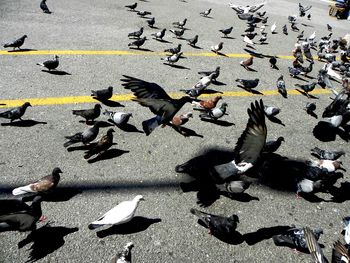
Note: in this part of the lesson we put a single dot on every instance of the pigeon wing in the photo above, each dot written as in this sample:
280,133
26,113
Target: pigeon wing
340,253
121,213
314,247
160,107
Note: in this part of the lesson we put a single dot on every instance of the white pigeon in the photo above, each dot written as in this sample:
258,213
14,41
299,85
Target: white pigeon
331,72
273,28
262,29
119,118
248,40
217,47
204,82
312,37
120,214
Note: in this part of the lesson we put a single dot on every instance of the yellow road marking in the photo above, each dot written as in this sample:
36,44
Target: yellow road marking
128,97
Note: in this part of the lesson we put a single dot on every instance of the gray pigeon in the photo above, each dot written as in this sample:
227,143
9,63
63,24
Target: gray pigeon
205,13
178,33
103,144
15,113
143,13
132,6
44,7
271,111
89,114
226,31
136,34
326,155
151,22
272,146
85,137
180,24
50,64
17,43
281,87
123,256
174,50
310,108
215,113
103,94
192,41
307,87
119,118
308,186
207,73
248,84
233,187
160,34
293,72
172,59
138,43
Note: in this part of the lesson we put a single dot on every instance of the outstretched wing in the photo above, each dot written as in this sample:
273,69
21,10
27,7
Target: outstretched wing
340,253
314,248
252,140
160,107
144,89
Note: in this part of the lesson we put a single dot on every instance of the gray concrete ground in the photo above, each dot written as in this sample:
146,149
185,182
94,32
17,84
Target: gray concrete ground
145,165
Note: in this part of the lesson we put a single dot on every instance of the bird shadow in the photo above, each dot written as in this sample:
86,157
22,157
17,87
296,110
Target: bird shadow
110,103
263,234
60,194
109,154
127,127
141,49
136,225
250,90
275,120
162,40
176,66
46,240
306,25
299,78
249,46
218,83
312,114
56,72
307,94
218,122
220,54
250,69
186,132
195,47
325,132
209,17
340,194
23,123
22,50
84,147
254,54
228,37
210,91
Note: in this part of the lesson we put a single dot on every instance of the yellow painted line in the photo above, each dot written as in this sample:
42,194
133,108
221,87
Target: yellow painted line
128,97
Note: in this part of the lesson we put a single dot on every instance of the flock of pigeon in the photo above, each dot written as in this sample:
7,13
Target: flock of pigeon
252,151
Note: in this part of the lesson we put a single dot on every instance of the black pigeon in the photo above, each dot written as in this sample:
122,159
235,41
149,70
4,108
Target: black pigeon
17,43
89,114
303,10
307,87
137,33
123,256
226,31
285,30
192,41
218,225
249,145
177,33
44,7
87,136
180,24
273,62
281,87
294,238
160,34
15,113
103,144
50,64
205,13
294,27
16,215
132,6
326,155
143,13
138,43
248,84
151,22
174,50
154,97
207,73
310,108
309,16
338,106
329,27
272,146
103,94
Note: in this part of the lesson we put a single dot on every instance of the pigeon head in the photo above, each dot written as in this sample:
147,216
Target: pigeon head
98,106
234,218
188,115
338,165
318,185
25,36
27,104
109,132
110,89
224,105
56,57
318,232
57,171
139,198
280,139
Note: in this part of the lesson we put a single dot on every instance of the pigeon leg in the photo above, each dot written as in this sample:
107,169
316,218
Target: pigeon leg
42,218
297,196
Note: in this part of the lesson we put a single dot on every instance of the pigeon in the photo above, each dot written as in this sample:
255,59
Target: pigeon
294,27
309,16
307,87
143,13
233,187
271,111
15,113
151,22
294,238
174,50
204,82
346,222
50,64
308,186
178,33
217,47
172,59
119,118
132,6
249,145
205,13
248,41
326,155
44,185
308,69
273,28
340,253
215,113
293,72
17,215
303,10
44,7
136,34
262,29
138,43
179,120
272,146
285,30
263,38
281,87
103,144
248,84
160,34
192,41
226,31
206,104
217,225
89,114
85,137
329,28
329,165
261,14
120,214
310,108
154,97
246,9
103,94
313,246
180,24
207,73
123,256
273,62
247,63
17,43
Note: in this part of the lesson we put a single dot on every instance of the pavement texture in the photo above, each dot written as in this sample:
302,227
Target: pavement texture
165,230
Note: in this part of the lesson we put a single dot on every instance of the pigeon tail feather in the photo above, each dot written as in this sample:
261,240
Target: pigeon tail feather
149,125
93,226
22,190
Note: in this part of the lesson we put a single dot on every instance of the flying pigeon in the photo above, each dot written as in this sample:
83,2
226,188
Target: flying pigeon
89,114
233,187
17,215
326,155
248,84
205,13
143,13
313,246
50,64
215,113
103,144
180,24
340,253
123,256
217,225
174,50
281,87
154,97
151,22
160,34
192,41
307,87
44,7
173,58
15,113
178,33
217,47
138,43
249,145
272,146
44,185
85,137
136,34
17,43
248,41
119,118
103,94
120,214
226,31
132,6
206,104
303,10
271,111
247,63
207,73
